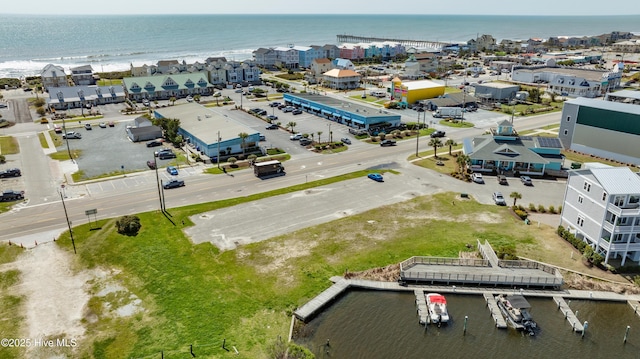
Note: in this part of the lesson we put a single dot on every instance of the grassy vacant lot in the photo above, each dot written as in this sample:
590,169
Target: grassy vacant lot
10,302
195,294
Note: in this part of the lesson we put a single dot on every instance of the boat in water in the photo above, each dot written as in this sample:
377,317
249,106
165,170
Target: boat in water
515,310
437,308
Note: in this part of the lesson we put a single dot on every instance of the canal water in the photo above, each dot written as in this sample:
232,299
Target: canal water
375,324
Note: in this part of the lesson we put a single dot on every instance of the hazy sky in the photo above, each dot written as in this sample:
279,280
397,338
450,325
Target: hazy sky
459,7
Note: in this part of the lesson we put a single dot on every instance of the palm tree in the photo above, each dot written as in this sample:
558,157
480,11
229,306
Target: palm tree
243,137
435,143
291,125
516,196
462,162
319,134
172,99
217,96
450,143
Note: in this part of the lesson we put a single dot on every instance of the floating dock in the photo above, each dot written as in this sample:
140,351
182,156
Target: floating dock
495,311
421,303
576,326
315,304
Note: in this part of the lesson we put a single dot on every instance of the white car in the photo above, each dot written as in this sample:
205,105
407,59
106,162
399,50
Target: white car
189,98
477,178
72,135
295,137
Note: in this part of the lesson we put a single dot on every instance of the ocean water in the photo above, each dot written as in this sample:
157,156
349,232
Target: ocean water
109,43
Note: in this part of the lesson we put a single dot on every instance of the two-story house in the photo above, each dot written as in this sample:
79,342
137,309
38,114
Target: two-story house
83,75
602,207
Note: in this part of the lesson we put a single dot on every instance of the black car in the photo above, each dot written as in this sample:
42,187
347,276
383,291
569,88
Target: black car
174,183
385,143
261,112
154,143
437,134
345,140
11,172
274,104
166,155
272,126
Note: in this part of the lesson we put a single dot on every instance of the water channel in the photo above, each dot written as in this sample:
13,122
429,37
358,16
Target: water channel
375,324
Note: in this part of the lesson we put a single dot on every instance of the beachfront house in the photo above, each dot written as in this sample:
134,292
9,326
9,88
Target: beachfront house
602,207
341,79
53,76
83,75
68,97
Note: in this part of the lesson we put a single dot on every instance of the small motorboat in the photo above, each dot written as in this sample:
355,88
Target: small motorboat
515,310
437,307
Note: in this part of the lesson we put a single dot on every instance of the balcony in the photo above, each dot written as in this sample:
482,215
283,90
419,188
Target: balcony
627,210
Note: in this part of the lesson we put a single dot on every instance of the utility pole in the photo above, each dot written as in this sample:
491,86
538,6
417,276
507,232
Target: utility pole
73,243
64,134
218,159
158,183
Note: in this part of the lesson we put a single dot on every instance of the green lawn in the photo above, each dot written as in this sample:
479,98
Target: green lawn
43,140
9,145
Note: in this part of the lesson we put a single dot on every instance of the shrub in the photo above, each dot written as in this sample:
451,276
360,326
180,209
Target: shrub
541,209
232,160
128,225
532,207
559,209
552,209
522,214
507,252
3,159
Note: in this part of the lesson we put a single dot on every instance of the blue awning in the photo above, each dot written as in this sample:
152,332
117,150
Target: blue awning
295,102
305,105
326,112
346,118
315,108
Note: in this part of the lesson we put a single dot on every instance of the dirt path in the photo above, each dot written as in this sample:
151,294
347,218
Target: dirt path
54,295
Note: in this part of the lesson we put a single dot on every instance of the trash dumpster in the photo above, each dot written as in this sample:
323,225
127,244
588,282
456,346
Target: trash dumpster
576,165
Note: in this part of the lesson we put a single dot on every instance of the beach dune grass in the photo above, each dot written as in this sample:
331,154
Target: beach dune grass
197,295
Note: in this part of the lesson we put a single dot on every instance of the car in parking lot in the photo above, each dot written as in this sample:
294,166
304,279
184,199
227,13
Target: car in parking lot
288,109
72,134
172,170
145,102
296,111
385,143
345,140
502,179
274,104
166,155
154,143
238,90
437,133
477,178
189,98
272,126
376,177
151,164
11,172
295,137
499,199
305,141
272,117
87,126
526,180
174,183
263,138
102,125
281,106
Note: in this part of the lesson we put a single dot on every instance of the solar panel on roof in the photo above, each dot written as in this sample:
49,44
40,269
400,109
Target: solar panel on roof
549,142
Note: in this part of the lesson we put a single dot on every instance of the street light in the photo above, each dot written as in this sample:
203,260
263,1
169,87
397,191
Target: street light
418,136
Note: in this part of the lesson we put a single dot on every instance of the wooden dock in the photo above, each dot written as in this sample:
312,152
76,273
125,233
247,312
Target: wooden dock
421,303
495,311
576,326
311,307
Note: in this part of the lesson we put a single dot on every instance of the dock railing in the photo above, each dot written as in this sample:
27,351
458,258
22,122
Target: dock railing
468,262
481,279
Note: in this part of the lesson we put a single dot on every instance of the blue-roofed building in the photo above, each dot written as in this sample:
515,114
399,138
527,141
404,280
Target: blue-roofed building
348,113
163,87
602,207
605,129
343,64
505,152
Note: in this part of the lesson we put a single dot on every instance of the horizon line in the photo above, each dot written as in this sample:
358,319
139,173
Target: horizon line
345,14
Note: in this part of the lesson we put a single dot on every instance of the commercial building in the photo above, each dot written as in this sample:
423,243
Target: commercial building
602,207
348,113
505,152
496,92
605,129
414,91
210,132
568,81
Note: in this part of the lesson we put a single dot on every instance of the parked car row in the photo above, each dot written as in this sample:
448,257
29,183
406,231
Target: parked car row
11,172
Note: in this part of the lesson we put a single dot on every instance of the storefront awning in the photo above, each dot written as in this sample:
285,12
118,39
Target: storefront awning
315,108
295,102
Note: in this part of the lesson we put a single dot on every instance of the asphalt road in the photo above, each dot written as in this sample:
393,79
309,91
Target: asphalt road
43,213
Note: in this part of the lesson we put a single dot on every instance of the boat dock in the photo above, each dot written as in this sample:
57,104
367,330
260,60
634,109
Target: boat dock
568,313
495,311
315,304
421,303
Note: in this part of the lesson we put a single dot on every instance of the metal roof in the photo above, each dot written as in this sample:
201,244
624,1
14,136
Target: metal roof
606,105
617,180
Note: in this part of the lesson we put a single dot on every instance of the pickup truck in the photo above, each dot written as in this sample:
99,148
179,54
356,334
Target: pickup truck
10,195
